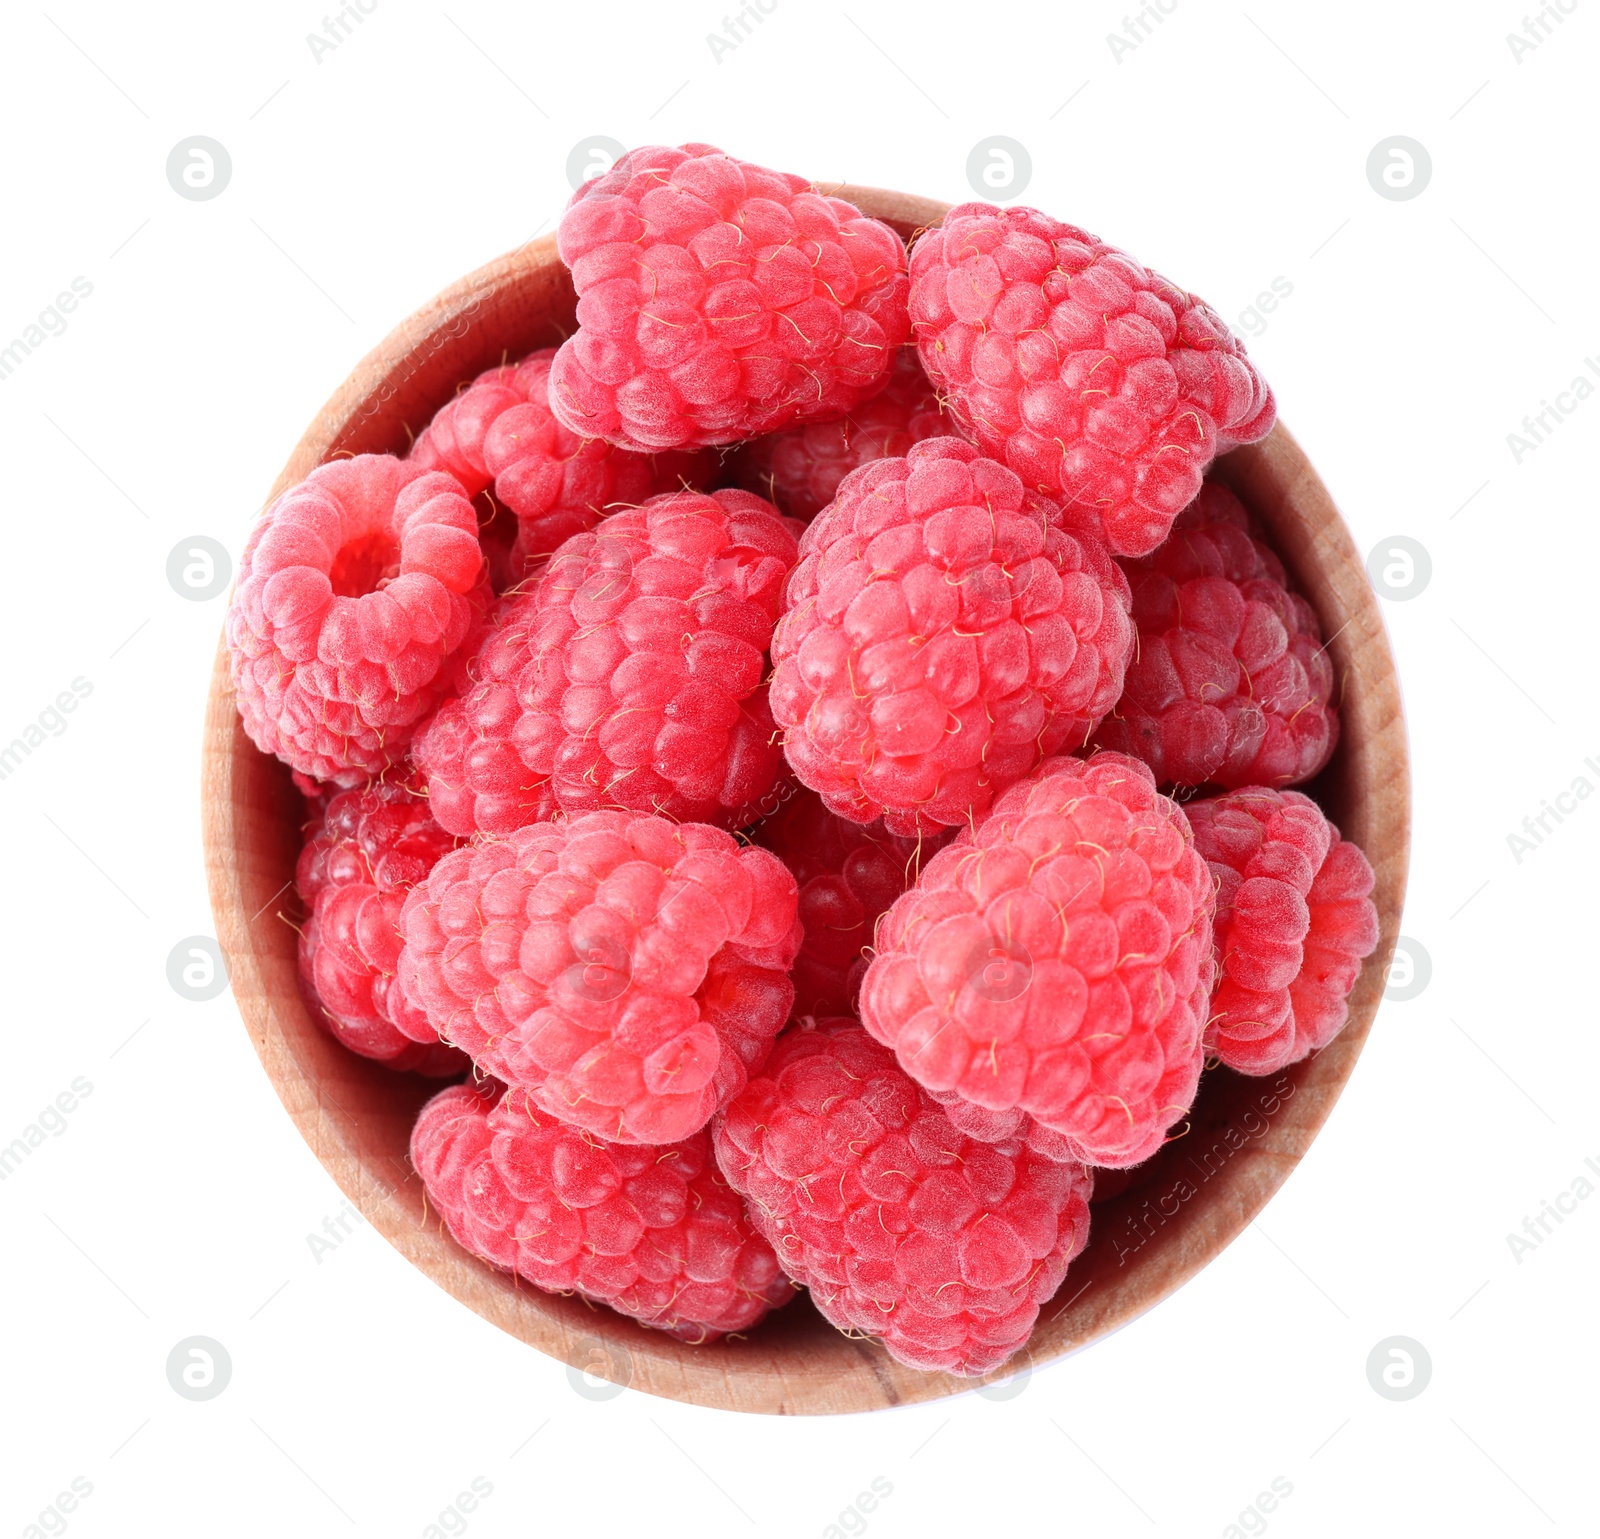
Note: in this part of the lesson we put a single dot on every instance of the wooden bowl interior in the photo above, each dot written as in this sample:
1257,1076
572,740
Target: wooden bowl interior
1177,1211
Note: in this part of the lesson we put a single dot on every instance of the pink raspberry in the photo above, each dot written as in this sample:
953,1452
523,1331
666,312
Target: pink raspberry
1230,683
500,432
632,676
656,1233
899,1225
943,632
355,591
718,300
629,972
368,849
1094,378
800,468
1295,921
477,780
848,874
1056,960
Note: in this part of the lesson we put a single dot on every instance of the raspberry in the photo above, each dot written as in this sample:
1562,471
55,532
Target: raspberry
943,632
370,847
631,677
656,1233
1295,920
1230,683
1056,960
500,432
629,972
848,874
718,300
800,468
899,1225
1094,378
355,591
477,781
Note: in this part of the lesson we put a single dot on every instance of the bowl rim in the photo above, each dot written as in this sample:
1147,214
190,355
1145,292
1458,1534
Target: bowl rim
787,1366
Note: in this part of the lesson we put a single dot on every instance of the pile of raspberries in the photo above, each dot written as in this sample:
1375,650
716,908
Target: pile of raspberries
809,759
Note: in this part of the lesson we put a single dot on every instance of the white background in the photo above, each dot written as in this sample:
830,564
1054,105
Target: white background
1226,149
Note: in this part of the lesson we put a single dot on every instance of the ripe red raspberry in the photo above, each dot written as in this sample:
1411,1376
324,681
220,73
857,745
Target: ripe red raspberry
848,874
899,1225
1094,378
500,432
800,468
718,300
368,849
1230,683
943,633
628,971
355,591
1295,920
632,677
467,754
656,1233
1056,960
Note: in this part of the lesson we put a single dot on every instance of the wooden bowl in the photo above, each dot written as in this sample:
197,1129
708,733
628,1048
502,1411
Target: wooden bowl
1181,1208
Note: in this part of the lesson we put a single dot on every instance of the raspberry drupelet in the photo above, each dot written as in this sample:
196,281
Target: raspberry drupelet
500,433
800,468
901,1226
654,1232
1055,960
1095,379
627,971
1295,921
632,676
848,874
943,632
369,847
718,300
356,591
1230,683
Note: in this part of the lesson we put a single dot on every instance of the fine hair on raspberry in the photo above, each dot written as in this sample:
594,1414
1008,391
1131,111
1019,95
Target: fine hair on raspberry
943,632
718,300
1055,960
1095,379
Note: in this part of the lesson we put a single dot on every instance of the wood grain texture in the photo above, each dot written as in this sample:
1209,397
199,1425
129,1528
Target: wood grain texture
1187,1203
